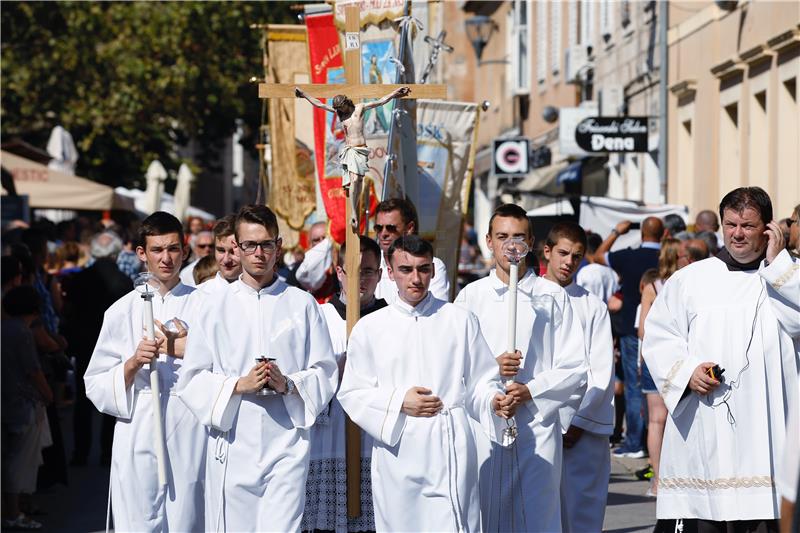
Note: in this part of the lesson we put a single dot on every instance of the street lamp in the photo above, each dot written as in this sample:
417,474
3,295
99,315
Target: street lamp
480,29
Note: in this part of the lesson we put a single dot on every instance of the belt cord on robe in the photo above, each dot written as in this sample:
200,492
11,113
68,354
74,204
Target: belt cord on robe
513,468
221,454
108,505
452,469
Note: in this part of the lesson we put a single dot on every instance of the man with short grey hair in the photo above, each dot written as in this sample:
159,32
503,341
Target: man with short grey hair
87,296
105,245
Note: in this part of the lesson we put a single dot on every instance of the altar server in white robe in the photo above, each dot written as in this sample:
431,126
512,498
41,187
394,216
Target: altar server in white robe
520,486
229,266
119,385
326,487
738,312
415,372
258,444
587,463
394,218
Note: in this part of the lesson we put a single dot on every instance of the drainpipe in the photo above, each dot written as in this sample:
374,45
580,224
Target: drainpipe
663,73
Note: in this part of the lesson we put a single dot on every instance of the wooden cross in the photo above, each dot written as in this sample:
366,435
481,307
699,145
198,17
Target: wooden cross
356,91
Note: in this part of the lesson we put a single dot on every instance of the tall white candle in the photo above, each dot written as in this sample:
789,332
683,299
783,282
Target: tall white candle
155,390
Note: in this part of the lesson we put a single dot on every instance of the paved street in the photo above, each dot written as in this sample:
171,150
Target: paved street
81,507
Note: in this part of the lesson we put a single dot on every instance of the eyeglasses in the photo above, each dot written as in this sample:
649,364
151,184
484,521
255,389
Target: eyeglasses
365,272
268,247
391,228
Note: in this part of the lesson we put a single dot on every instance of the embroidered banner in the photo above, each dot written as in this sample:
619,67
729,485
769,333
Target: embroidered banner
446,134
292,195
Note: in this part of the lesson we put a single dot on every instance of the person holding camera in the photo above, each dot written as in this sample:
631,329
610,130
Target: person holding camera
721,345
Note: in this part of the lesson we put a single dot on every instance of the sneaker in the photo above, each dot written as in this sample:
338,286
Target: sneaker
622,451
22,522
645,473
650,493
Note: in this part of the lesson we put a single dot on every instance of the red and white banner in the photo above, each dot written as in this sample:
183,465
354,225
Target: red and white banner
325,57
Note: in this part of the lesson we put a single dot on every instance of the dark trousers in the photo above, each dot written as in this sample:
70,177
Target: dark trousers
696,525
634,399
83,412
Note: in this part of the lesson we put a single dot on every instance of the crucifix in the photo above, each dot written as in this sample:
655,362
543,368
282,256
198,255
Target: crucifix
356,92
437,45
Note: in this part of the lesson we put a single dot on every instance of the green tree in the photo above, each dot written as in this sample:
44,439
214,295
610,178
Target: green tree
132,80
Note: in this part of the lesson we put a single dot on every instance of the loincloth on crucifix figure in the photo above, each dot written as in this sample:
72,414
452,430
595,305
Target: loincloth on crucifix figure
355,154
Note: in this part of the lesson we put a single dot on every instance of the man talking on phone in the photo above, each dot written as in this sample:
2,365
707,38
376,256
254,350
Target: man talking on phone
721,344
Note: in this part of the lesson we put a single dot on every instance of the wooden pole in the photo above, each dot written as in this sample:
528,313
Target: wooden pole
352,260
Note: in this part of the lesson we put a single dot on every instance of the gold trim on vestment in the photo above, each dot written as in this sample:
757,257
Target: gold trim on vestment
783,278
676,483
668,385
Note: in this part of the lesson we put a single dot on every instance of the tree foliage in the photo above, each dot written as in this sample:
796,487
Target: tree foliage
132,80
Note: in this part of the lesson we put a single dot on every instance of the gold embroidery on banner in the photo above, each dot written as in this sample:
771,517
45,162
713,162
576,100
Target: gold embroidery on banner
676,483
783,278
668,385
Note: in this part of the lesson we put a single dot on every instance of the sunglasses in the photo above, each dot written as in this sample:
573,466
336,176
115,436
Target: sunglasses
391,228
204,246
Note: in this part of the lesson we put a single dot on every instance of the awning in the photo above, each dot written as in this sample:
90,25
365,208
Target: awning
48,188
539,178
561,207
573,172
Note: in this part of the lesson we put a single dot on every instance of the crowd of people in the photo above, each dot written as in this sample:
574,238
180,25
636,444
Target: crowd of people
683,349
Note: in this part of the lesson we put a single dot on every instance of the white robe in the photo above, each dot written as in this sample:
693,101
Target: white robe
600,280
211,286
327,472
137,501
440,284
587,465
746,322
522,484
187,274
424,470
258,445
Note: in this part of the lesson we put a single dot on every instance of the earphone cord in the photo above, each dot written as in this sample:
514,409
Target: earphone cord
737,382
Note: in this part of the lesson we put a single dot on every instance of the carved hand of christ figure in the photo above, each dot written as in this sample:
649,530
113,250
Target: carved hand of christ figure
353,156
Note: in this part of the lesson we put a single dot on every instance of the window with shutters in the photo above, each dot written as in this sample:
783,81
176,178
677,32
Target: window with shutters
555,37
587,23
519,39
541,41
572,28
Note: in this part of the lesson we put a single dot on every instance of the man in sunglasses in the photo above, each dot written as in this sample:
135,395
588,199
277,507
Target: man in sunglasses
202,245
394,218
261,372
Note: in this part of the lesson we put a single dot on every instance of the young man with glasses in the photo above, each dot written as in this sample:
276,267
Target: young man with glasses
327,481
262,371
394,218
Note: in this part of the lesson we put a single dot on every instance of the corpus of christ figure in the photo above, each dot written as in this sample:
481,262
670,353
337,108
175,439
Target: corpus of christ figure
353,156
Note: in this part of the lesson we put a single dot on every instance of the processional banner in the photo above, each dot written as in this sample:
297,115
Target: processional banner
446,136
292,190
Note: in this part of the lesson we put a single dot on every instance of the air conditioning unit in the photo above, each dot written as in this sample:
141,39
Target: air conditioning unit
575,61
612,99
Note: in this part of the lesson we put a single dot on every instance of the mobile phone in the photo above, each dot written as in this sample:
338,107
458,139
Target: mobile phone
636,225
715,372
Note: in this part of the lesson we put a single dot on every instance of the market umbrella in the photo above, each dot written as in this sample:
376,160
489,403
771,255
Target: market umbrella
183,191
156,175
